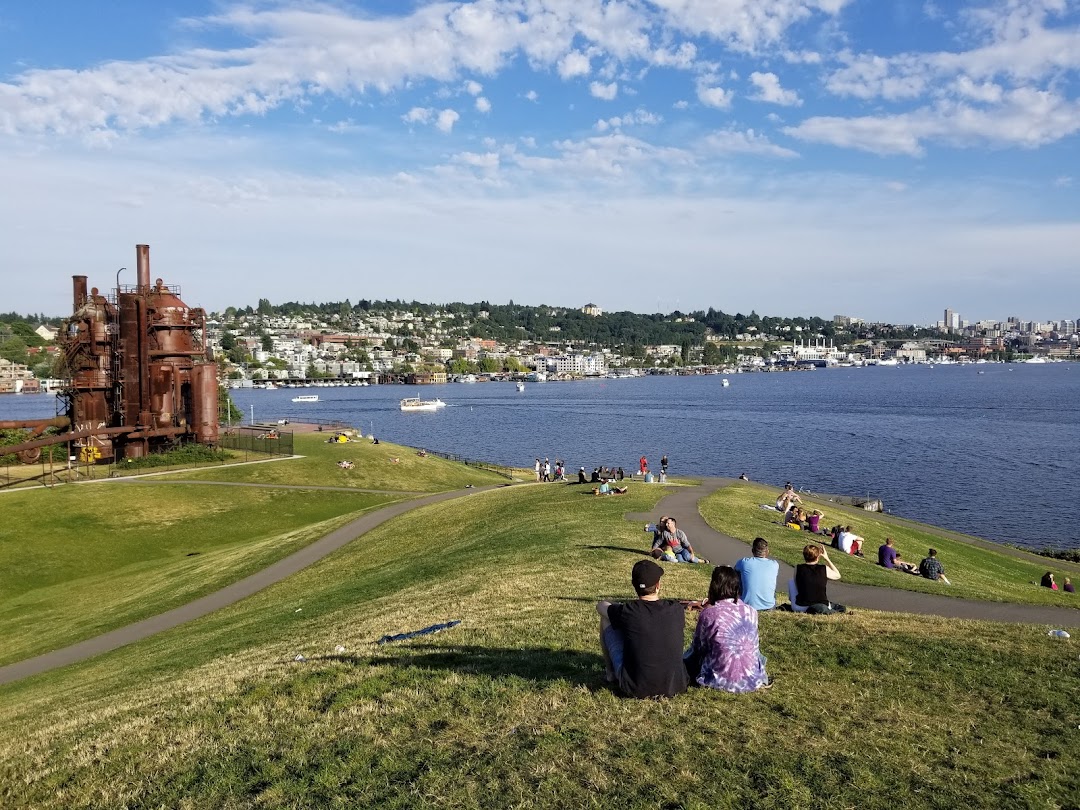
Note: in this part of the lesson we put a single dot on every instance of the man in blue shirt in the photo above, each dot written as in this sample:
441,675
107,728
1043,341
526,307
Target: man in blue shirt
758,575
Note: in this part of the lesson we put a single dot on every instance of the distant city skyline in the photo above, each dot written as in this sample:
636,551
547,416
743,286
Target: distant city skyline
784,156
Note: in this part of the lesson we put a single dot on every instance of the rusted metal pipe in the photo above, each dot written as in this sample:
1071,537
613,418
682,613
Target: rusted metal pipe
142,263
78,284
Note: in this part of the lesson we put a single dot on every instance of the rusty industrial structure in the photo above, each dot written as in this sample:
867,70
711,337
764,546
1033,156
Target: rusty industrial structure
140,376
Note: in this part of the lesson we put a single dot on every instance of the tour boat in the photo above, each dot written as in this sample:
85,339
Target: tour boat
306,398
417,404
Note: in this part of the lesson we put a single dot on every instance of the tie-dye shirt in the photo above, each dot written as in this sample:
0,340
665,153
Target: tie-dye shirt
727,638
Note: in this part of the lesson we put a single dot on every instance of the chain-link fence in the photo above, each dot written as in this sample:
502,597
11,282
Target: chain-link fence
267,439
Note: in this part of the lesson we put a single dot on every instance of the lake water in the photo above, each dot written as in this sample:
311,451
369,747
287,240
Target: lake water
988,450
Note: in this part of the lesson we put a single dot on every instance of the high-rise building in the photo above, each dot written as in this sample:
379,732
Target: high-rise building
952,321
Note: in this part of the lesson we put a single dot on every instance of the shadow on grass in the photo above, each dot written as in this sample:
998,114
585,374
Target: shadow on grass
636,551
537,664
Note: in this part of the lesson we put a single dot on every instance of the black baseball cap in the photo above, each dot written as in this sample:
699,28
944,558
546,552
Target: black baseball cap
645,575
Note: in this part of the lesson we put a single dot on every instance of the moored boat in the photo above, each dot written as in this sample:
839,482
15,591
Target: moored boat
306,398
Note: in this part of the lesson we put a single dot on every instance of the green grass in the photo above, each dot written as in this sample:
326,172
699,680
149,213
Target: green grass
508,710
975,573
375,468
84,560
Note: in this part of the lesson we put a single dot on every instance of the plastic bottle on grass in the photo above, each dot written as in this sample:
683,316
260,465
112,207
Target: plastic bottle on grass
1058,634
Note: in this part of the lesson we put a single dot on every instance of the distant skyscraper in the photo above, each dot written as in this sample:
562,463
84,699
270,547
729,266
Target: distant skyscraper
952,321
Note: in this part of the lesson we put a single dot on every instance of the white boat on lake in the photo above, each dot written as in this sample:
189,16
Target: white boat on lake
306,398
521,386
417,404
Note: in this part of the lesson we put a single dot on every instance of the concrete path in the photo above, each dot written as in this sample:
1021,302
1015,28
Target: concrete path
226,596
682,504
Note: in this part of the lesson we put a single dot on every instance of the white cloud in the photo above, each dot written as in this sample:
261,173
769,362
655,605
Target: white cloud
1063,181
734,142
473,88
483,105
639,117
607,92
418,115
1026,118
486,160
446,120
532,95
769,90
574,64
681,104
715,96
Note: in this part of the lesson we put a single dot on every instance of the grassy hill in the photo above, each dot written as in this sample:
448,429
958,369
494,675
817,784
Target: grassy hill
508,709
77,561
995,574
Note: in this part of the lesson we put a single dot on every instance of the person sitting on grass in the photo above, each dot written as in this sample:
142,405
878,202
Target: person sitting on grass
787,498
813,523
889,557
673,544
1048,581
642,640
725,653
607,489
849,542
1068,587
931,567
758,576
811,578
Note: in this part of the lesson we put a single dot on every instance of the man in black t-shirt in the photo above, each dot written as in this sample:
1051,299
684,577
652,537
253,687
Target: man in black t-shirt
642,641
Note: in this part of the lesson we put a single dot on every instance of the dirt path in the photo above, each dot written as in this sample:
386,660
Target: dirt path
717,547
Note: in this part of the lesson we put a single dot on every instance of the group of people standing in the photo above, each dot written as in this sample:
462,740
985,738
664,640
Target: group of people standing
546,471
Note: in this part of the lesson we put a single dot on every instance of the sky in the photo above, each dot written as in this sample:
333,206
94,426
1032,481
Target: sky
883,159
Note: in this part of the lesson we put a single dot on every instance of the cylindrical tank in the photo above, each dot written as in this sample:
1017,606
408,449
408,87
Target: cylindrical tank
204,410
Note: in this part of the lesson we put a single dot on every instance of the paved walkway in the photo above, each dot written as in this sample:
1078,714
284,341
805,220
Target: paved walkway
226,596
717,547
682,502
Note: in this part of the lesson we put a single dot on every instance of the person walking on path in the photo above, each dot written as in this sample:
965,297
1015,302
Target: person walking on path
642,640
536,467
643,465
663,464
758,577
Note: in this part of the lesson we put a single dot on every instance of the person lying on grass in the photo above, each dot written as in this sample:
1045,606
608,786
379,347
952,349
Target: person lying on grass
889,557
811,578
931,567
642,640
725,653
673,545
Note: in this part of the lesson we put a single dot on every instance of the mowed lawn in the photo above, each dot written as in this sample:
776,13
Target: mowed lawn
975,573
80,560
382,466
509,709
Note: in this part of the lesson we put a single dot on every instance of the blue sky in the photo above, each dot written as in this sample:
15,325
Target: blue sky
877,158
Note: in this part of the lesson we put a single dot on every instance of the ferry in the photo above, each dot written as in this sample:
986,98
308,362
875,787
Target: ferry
306,398
417,404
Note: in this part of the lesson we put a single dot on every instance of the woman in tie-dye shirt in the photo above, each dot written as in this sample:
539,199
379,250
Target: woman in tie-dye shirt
726,639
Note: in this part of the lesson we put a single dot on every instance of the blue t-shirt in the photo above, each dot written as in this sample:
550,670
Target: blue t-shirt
758,581
886,556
